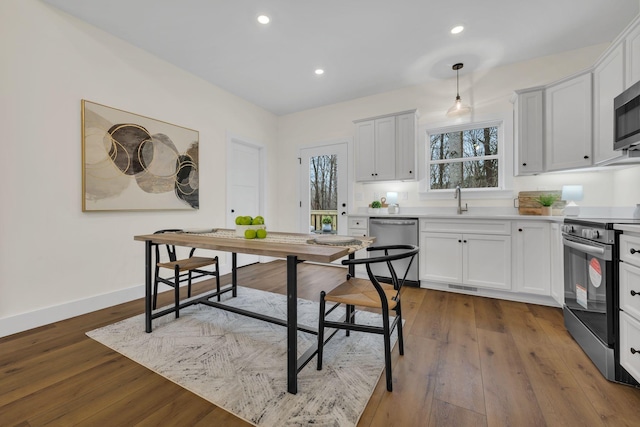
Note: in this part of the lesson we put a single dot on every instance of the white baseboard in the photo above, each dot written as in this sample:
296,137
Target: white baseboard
44,316
33,319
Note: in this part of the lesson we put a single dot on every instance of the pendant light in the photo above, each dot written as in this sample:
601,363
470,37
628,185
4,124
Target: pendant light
458,108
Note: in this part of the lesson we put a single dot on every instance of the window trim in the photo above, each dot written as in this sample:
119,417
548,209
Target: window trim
504,123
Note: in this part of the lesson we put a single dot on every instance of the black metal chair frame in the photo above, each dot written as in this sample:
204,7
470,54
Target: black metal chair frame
387,328
178,276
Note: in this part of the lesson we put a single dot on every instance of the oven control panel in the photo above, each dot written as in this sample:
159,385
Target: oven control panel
589,233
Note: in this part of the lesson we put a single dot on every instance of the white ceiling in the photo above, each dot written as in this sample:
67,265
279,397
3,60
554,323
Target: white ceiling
365,46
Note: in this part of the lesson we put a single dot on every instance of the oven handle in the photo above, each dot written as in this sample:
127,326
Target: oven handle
592,250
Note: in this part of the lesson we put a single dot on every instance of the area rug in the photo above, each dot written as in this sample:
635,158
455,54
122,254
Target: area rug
239,363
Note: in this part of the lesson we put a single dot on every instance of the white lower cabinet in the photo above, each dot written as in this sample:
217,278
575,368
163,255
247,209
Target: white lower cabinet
532,273
468,259
630,344
629,294
359,226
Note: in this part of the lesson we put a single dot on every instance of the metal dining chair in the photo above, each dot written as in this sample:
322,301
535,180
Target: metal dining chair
370,294
184,270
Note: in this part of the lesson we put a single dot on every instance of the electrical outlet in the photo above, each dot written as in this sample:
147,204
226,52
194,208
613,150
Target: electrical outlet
403,195
376,195
359,197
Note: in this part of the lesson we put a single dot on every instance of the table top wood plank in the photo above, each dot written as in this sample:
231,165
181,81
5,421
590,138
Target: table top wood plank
304,252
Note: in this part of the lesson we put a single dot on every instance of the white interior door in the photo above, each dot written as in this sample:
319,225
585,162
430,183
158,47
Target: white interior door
245,185
324,168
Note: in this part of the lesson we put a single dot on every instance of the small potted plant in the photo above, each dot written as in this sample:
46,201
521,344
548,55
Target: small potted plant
547,201
375,206
326,223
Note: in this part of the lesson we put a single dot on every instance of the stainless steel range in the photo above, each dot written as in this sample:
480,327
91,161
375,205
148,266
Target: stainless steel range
591,290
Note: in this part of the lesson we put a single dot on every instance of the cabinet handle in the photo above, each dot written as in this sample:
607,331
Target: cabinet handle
586,157
524,164
410,171
634,351
633,251
634,293
464,241
459,241
519,229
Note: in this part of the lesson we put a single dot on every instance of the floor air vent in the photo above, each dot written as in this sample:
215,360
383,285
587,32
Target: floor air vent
463,288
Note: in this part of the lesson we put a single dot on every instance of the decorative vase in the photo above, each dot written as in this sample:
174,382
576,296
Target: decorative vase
326,227
546,210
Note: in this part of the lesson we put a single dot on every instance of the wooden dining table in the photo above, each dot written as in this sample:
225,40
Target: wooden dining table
293,247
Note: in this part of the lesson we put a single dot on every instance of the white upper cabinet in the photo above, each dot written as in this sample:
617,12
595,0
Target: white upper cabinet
576,116
529,132
568,123
406,138
386,147
632,54
365,153
608,82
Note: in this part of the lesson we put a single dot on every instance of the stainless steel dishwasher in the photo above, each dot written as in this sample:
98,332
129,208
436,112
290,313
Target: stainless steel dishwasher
396,231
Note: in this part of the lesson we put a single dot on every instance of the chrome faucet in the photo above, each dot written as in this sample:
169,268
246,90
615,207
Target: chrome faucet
458,195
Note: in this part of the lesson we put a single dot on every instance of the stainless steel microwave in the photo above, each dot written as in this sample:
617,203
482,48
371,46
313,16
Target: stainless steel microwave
626,119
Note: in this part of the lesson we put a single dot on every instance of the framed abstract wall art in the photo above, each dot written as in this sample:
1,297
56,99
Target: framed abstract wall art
132,162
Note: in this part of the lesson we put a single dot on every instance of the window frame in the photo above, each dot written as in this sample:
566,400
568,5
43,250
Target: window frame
505,160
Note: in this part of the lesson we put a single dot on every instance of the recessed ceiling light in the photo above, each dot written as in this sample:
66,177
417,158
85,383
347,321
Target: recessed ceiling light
319,71
263,19
456,30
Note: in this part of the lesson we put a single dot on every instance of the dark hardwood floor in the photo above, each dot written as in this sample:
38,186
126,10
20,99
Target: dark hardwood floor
469,361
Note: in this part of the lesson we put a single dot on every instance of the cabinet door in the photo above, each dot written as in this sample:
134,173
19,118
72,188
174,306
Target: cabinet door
568,123
385,148
557,264
632,51
365,153
441,257
533,262
487,261
608,82
406,136
529,133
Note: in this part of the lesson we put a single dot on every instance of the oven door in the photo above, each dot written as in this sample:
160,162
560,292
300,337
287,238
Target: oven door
588,285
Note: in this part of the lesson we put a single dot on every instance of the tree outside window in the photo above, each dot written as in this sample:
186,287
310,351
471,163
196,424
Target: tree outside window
468,158
324,182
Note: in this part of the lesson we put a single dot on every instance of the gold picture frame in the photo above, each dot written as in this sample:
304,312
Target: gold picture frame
133,162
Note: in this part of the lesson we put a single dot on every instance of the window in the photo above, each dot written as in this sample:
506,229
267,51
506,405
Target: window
469,157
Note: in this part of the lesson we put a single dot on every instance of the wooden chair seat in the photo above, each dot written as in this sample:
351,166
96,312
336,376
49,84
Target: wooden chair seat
184,270
189,263
361,292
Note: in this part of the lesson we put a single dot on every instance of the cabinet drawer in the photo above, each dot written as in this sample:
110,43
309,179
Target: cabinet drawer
627,245
478,226
630,282
630,339
358,223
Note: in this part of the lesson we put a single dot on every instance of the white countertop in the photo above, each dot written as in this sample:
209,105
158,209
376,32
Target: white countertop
630,228
450,213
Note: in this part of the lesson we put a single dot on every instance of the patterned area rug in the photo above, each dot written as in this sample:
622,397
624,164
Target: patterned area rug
239,363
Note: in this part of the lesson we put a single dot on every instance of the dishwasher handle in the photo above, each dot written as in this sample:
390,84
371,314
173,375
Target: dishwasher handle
393,221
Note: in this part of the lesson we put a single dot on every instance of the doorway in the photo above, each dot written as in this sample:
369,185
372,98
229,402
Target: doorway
324,178
245,185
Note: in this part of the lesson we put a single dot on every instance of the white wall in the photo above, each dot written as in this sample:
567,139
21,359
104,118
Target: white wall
51,253
488,92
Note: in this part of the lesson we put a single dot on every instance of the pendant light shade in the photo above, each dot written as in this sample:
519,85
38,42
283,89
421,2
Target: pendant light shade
458,108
